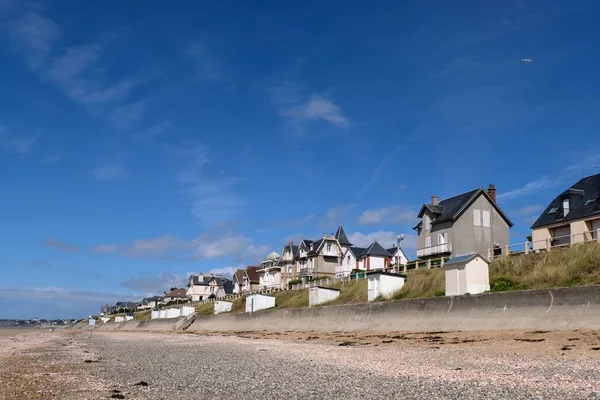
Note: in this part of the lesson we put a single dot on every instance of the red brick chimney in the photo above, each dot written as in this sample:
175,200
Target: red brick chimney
492,192
435,200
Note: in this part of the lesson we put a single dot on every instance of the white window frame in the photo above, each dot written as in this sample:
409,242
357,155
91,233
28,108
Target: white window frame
566,206
427,223
477,217
427,241
441,238
486,218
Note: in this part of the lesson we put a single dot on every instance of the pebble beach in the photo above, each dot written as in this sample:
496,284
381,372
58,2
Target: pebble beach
309,365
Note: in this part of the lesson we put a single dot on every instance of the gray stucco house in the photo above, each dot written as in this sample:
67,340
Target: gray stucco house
464,224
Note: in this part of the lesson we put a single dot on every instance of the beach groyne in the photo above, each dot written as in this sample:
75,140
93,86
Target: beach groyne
552,309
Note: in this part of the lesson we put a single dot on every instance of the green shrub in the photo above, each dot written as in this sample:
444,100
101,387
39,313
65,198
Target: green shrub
502,283
294,282
440,293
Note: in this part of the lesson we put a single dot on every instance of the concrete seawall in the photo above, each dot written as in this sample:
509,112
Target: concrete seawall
552,309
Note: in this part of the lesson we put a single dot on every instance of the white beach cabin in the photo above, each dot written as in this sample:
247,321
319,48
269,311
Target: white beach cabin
222,307
187,310
257,302
384,284
319,294
467,274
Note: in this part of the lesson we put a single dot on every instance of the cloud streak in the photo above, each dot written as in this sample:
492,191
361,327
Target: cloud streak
393,214
213,196
110,172
20,144
557,179
62,246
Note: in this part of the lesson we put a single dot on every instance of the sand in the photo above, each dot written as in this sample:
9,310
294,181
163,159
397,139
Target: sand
256,365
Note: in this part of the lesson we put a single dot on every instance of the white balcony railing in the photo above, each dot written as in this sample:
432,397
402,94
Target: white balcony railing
342,270
438,249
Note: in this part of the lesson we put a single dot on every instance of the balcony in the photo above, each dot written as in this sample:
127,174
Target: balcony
306,272
434,250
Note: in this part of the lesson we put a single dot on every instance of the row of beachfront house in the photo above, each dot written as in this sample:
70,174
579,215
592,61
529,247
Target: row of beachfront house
458,226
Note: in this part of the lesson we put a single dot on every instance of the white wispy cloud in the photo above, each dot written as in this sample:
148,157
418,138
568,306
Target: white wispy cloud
380,168
105,248
530,209
161,246
392,214
125,116
335,215
34,35
110,172
73,62
213,195
297,111
238,247
210,66
155,284
226,271
386,238
60,245
558,179
17,143
318,107
156,130
58,293
74,69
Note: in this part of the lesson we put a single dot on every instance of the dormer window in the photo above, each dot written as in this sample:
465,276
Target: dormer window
565,206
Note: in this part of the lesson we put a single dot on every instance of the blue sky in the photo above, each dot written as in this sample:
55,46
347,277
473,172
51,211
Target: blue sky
140,144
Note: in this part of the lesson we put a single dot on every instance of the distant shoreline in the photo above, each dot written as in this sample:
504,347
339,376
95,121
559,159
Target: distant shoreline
6,331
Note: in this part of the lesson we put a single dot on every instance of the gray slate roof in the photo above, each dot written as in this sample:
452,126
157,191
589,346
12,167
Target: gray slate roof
341,237
585,191
451,208
356,251
463,259
375,249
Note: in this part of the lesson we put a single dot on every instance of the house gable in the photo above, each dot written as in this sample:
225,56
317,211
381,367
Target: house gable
452,208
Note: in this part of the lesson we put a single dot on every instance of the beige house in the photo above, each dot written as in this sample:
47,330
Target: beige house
246,280
288,261
321,257
572,217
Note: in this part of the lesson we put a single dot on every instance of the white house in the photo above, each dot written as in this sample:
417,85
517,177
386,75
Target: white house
383,284
269,272
374,257
398,256
201,287
467,274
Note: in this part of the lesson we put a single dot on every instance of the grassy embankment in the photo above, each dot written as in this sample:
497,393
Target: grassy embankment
578,265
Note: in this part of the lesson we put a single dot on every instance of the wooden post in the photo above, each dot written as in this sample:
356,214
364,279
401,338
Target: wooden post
442,262
598,235
527,247
507,250
416,265
404,268
489,254
548,244
429,263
